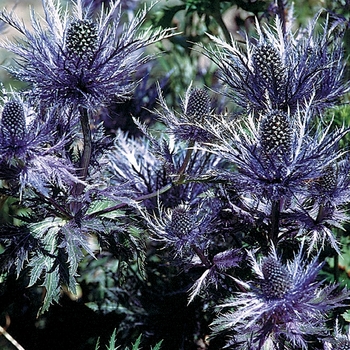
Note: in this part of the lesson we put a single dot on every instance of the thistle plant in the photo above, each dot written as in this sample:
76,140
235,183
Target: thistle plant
153,211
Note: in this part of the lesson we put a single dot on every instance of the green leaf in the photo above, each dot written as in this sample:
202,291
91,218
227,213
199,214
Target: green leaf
112,341
53,290
97,347
137,343
346,315
157,346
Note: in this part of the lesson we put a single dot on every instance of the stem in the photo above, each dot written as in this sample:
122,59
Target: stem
336,267
281,12
201,256
86,156
186,161
218,18
121,205
85,127
275,218
13,341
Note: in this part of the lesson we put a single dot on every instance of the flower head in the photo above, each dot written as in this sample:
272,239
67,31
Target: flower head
29,149
282,70
190,124
76,58
285,302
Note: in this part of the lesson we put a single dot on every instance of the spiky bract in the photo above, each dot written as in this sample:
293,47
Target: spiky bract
285,302
74,58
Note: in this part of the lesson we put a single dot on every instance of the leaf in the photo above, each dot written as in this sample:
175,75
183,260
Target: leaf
53,290
346,315
97,347
157,346
137,343
112,341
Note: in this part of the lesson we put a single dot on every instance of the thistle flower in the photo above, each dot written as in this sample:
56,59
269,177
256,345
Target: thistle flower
285,305
29,149
190,124
74,58
14,124
280,70
182,228
276,136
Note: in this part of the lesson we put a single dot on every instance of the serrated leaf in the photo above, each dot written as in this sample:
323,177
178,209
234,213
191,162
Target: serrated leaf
111,345
52,285
157,346
137,343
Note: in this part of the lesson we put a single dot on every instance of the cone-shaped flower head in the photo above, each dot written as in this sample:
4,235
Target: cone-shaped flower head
276,135
277,279
196,114
281,69
198,103
180,228
77,57
285,302
82,39
181,223
327,182
268,66
14,123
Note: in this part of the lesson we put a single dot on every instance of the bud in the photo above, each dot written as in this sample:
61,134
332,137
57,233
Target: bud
269,66
181,223
13,120
276,135
198,103
81,39
277,280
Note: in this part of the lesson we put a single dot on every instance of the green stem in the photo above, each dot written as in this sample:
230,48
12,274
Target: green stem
218,18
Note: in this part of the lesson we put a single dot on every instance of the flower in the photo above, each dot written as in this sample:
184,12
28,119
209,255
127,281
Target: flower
29,149
285,305
190,124
76,59
280,70
182,228
281,164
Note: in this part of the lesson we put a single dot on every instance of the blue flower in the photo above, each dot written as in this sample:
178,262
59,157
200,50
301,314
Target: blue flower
280,70
189,124
30,152
284,305
280,163
74,58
